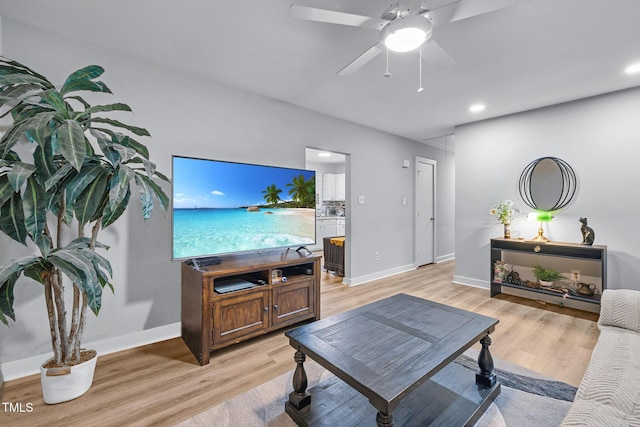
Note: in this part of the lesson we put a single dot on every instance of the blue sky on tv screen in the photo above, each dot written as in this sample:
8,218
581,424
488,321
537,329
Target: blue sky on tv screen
215,184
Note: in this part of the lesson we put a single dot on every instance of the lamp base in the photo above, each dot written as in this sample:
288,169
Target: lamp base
540,237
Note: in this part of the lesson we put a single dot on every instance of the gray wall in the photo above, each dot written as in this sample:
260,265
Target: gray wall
597,136
191,116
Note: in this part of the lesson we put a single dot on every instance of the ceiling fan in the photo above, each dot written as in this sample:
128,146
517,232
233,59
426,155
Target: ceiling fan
404,26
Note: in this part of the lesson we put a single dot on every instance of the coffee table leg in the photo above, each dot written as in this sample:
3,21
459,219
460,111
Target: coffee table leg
485,377
384,420
299,397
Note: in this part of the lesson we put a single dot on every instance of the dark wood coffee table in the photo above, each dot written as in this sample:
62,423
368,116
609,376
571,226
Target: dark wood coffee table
392,361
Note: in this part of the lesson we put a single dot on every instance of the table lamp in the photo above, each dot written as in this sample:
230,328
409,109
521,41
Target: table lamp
540,216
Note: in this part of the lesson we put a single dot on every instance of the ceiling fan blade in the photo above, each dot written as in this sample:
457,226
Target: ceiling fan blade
361,60
435,55
440,11
335,17
468,8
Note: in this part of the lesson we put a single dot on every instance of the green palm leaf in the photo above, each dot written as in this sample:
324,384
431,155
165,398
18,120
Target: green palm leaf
109,107
21,79
11,137
19,174
53,98
80,85
12,219
44,243
78,265
6,189
84,243
13,93
119,186
43,160
126,141
71,143
13,67
111,214
35,213
61,174
136,130
108,147
37,127
92,200
79,183
7,298
89,72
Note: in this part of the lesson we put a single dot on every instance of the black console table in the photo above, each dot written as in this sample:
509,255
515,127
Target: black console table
567,258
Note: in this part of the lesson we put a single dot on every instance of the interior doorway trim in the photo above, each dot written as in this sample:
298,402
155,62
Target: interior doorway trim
348,209
419,160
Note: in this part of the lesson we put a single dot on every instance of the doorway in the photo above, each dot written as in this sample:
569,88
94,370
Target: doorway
425,218
332,197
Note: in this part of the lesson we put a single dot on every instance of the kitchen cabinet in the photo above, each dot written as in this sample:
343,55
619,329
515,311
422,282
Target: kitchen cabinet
333,186
328,227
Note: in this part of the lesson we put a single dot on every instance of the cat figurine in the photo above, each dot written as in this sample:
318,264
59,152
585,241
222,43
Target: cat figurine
587,233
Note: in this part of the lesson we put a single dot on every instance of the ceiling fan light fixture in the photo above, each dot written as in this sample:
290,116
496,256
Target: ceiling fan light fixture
633,68
406,34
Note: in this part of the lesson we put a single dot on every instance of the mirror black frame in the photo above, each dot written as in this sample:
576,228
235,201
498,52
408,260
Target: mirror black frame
568,185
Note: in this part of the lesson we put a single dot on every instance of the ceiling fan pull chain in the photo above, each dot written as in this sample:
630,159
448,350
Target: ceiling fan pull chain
420,88
387,73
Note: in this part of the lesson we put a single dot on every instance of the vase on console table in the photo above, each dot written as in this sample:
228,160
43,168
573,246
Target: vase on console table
507,230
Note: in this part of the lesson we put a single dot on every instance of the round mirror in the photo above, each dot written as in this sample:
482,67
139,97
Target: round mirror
547,184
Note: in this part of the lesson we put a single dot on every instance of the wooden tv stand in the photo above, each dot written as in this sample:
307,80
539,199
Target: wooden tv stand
212,320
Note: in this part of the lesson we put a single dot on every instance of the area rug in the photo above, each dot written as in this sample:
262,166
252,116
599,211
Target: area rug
528,399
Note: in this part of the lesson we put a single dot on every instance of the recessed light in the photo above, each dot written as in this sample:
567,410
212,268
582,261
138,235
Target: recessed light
476,108
633,68
324,154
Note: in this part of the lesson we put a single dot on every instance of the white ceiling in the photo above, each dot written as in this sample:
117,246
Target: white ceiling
538,53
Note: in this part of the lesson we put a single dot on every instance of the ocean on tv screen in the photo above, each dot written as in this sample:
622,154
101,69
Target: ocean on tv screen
202,232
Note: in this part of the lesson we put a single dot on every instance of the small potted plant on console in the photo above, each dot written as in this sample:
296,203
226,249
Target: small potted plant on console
546,276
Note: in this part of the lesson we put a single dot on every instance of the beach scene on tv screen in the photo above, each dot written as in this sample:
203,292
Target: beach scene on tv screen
221,207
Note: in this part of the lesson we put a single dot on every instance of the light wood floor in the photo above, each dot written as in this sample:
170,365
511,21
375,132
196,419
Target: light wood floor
162,384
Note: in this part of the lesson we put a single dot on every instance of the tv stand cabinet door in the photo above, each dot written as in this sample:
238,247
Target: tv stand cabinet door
236,318
293,302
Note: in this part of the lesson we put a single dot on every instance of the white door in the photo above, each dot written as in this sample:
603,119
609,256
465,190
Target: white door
425,211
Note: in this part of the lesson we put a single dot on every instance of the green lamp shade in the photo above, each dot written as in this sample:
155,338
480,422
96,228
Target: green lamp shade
540,216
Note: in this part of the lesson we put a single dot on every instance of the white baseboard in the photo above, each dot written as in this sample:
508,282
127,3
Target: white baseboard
445,258
468,281
378,275
31,365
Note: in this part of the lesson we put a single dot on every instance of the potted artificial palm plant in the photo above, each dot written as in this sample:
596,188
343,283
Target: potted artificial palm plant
77,181
546,276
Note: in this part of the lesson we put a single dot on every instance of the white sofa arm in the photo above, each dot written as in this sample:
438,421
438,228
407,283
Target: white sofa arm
620,308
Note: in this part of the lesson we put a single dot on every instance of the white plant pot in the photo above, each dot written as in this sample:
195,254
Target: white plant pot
67,383
545,283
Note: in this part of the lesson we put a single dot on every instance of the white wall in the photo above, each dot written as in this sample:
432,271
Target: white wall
195,117
599,137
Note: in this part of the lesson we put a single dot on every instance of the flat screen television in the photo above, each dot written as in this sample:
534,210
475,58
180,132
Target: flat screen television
223,207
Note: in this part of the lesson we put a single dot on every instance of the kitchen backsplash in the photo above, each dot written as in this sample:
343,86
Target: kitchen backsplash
332,208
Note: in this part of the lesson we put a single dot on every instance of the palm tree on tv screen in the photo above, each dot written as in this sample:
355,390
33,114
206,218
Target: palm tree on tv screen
302,191
272,194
